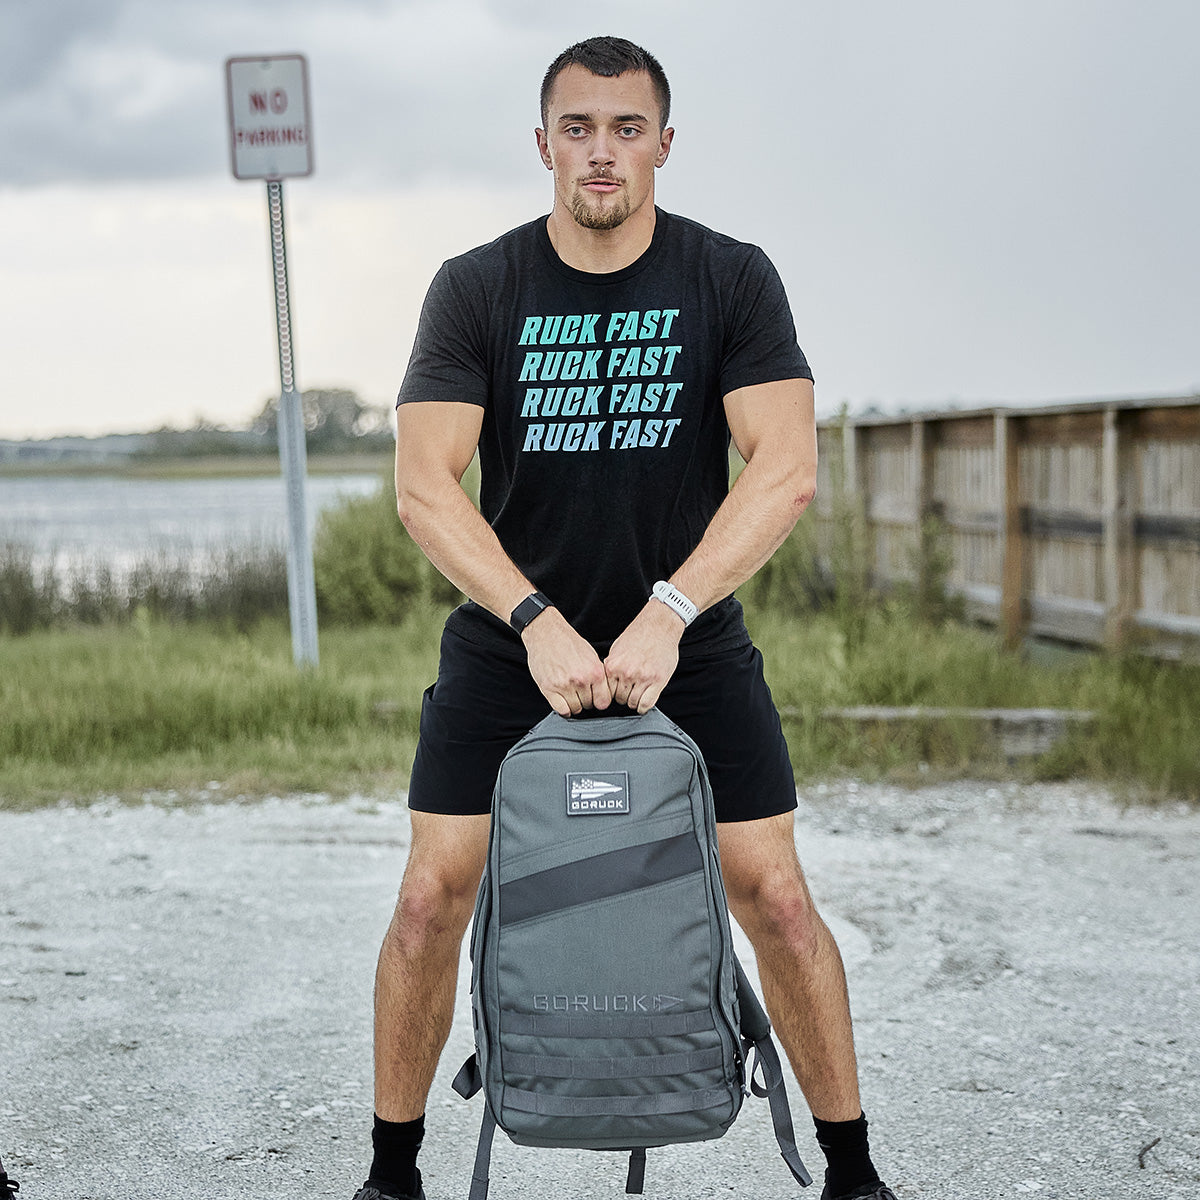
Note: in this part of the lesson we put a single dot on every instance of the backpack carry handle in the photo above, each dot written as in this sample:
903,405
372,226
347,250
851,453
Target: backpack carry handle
613,710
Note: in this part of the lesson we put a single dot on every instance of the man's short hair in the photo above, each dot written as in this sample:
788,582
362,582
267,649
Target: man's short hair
610,56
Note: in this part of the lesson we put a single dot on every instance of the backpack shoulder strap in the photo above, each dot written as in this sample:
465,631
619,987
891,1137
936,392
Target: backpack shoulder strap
756,1034
466,1083
483,1154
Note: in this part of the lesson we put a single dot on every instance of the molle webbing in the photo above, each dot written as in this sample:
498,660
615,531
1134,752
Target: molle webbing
614,1106
638,1067
605,1025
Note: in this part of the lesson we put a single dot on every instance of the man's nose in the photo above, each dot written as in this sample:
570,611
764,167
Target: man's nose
602,149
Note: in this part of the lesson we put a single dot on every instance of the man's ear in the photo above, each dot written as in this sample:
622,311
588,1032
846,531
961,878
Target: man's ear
543,144
664,146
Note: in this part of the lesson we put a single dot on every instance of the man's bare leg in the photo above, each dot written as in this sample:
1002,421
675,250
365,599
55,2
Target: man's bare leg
418,963
803,980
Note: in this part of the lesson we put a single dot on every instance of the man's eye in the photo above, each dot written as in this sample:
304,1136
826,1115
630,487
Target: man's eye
575,131
629,131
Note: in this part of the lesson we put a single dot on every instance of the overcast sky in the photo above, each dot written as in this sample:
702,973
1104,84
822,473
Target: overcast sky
969,203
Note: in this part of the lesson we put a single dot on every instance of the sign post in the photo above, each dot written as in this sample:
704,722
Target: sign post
270,138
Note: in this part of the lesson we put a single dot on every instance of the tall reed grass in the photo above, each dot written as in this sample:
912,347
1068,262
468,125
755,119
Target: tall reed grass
237,586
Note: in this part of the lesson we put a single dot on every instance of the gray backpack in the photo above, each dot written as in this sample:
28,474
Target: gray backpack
610,1011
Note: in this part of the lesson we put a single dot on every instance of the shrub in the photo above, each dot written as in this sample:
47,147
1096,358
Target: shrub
366,566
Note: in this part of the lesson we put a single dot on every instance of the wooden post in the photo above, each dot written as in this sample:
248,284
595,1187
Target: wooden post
852,551
922,496
1119,503
1013,606
850,463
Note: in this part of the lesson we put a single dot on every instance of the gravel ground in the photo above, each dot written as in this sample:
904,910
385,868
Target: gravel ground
185,1002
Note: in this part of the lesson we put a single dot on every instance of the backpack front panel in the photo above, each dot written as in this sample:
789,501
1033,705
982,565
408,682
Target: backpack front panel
604,948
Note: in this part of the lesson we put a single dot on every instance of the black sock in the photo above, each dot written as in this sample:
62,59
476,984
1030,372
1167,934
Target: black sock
395,1163
846,1151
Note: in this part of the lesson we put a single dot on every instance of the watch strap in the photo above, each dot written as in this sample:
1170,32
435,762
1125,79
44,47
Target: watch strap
675,600
532,606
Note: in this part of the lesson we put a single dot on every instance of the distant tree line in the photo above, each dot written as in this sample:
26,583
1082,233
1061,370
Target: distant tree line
336,421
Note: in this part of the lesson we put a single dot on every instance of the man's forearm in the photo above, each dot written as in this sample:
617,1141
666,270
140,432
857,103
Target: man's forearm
756,516
441,519
754,520
461,544
434,445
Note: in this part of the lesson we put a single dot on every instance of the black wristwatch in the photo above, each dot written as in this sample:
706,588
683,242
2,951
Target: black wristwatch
529,608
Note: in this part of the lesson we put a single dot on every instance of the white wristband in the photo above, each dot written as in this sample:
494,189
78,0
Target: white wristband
675,600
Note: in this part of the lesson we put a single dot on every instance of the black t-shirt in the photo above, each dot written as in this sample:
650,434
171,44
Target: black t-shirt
604,447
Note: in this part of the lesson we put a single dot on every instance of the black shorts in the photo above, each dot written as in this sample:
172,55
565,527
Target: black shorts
483,703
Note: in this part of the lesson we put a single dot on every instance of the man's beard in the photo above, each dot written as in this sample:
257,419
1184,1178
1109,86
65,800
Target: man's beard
607,217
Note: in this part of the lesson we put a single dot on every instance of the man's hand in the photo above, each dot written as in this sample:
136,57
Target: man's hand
567,670
643,659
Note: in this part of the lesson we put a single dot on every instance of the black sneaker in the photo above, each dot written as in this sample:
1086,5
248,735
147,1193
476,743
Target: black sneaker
868,1191
8,1187
372,1191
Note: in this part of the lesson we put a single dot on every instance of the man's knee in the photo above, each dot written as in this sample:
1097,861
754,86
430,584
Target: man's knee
437,894
780,911
765,883
430,906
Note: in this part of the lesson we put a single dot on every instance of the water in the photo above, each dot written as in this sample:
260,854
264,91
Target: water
91,520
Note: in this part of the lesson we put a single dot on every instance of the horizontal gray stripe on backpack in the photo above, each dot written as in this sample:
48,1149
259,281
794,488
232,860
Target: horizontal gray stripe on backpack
613,873
605,1025
615,1106
547,1066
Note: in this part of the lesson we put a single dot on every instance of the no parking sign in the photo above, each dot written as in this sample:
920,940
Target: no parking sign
269,132
270,138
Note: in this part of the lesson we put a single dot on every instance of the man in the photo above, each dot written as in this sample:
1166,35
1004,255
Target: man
600,359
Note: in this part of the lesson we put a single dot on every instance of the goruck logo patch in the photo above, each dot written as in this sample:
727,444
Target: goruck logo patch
600,794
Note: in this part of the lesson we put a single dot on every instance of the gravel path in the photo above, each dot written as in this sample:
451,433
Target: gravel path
185,1002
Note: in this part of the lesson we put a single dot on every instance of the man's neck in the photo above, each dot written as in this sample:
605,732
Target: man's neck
600,251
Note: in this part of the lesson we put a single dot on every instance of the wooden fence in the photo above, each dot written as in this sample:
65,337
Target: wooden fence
1079,522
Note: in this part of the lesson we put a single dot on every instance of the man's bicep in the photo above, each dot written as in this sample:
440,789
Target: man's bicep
778,417
435,437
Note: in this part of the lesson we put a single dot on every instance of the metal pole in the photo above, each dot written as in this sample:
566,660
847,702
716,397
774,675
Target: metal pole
302,594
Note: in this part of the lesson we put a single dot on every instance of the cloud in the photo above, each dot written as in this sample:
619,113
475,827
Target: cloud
38,35
991,202
402,89
134,89
89,91
406,89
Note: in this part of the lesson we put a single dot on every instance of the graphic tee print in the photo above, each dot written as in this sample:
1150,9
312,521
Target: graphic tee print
604,446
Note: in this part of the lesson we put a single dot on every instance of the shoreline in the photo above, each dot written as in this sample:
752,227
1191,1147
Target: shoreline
225,466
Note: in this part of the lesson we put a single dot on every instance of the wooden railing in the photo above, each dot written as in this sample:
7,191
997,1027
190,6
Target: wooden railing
1079,522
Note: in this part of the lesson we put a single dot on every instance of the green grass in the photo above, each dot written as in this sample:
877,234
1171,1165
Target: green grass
150,707
1144,742
126,710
